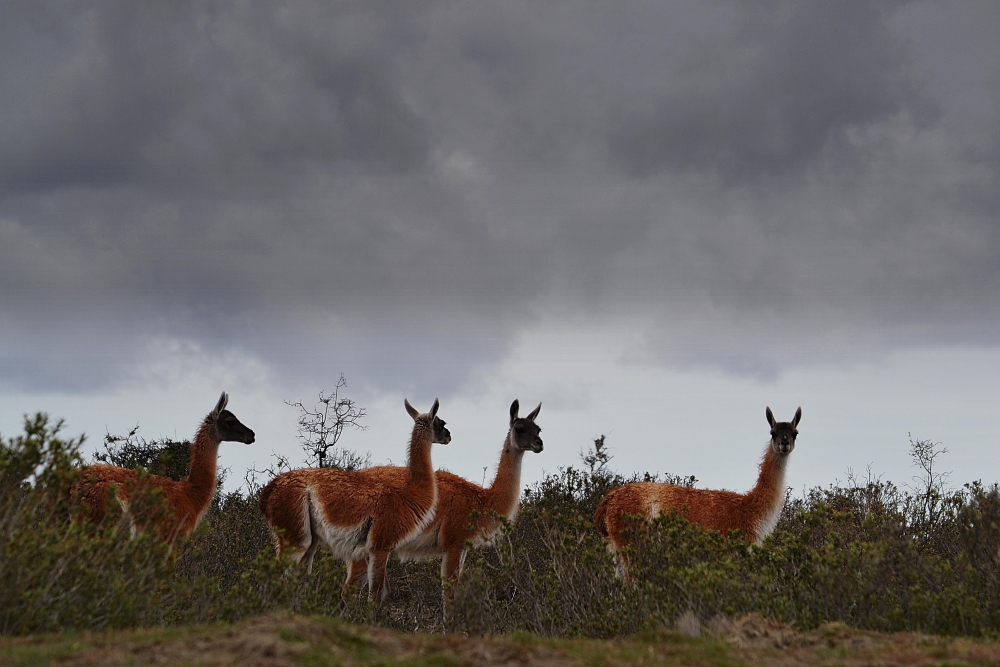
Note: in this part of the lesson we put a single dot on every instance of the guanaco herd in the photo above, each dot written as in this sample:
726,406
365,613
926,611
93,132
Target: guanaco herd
362,516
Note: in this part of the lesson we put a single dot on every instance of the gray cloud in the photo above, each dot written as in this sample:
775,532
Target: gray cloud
398,194
765,99
197,94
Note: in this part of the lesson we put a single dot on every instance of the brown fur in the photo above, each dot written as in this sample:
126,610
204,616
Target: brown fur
753,513
184,501
357,515
453,526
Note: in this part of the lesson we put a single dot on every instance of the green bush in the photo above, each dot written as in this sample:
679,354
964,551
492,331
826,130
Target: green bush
56,573
159,457
854,555
870,555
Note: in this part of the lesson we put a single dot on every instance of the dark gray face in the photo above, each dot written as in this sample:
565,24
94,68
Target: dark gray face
524,432
442,436
526,435
783,433
230,429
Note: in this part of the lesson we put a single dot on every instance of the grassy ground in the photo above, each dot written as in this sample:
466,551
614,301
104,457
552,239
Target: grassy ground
282,639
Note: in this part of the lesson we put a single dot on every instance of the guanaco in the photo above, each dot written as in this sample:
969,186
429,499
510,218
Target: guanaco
186,500
358,515
468,513
755,513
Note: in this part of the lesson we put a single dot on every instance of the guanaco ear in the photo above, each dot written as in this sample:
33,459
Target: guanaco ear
221,405
515,407
770,417
534,413
797,417
412,410
434,410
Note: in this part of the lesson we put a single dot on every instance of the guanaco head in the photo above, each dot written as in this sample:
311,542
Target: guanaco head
431,421
227,427
524,431
783,433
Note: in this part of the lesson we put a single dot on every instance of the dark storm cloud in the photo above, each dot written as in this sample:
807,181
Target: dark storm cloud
113,93
792,79
398,190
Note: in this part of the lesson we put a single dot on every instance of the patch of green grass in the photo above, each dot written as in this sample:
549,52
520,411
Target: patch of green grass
649,648
37,655
319,657
289,636
432,660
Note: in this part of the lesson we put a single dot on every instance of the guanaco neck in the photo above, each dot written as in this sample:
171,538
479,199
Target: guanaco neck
199,484
770,488
504,493
421,468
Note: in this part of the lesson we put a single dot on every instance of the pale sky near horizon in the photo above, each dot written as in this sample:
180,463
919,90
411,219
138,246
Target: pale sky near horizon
655,218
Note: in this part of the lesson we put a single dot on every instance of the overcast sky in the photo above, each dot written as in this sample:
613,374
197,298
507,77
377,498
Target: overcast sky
656,218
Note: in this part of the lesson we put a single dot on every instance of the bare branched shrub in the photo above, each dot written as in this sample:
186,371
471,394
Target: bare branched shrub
321,426
252,478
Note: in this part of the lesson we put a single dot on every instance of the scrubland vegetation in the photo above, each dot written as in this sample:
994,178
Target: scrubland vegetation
868,554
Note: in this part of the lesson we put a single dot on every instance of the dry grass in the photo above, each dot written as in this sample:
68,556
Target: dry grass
285,640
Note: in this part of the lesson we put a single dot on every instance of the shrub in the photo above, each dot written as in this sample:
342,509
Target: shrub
58,574
158,457
870,555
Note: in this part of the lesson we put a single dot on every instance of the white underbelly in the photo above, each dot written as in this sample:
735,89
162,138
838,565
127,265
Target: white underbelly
345,542
419,547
